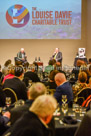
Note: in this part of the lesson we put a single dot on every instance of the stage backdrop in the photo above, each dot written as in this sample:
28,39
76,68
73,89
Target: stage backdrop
39,19
45,48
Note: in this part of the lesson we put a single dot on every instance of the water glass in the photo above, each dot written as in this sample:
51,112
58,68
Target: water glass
19,103
64,99
82,111
65,108
8,101
75,107
30,83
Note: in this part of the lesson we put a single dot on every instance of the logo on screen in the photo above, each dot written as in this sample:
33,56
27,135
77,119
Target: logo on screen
17,16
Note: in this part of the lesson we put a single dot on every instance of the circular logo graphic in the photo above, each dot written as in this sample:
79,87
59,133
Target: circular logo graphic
17,16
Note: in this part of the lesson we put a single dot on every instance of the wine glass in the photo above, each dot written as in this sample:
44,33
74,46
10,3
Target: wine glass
64,99
64,108
30,83
19,103
8,101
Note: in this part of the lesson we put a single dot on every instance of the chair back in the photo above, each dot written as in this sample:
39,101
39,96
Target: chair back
82,95
10,93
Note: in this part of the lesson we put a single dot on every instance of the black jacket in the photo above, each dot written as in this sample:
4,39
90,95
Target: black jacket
29,125
32,76
18,86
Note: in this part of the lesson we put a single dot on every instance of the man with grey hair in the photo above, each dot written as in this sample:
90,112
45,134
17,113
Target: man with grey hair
22,55
63,88
35,90
57,55
34,122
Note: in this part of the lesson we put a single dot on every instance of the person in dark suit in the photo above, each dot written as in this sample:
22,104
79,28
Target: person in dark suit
85,127
57,55
34,122
63,88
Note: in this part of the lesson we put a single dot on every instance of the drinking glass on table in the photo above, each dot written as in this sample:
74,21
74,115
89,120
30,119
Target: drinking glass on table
64,108
30,83
19,103
64,99
8,101
82,111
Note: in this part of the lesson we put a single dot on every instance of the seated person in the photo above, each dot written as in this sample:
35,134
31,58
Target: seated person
76,70
36,67
21,56
7,63
30,73
34,122
63,88
82,78
16,84
35,90
51,83
57,55
85,69
85,127
50,67
11,72
5,69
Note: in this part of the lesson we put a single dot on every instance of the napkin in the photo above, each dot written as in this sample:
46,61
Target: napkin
69,120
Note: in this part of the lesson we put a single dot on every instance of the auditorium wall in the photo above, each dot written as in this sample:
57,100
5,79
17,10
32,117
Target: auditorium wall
45,48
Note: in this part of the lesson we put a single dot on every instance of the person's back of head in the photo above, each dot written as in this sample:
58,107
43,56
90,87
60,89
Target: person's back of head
44,107
11,69
19,71
52,75
7,62
52,62
60,79
82,77
36,66
36,90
